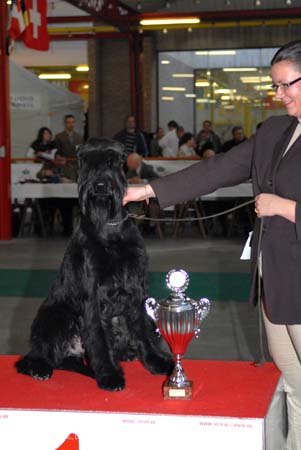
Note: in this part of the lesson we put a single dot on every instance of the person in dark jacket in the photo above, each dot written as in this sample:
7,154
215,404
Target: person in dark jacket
132,138
238,136
272,159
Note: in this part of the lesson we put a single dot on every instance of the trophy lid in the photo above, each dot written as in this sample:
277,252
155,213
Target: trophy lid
177,280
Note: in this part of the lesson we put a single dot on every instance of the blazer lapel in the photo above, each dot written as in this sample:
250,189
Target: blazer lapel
282,144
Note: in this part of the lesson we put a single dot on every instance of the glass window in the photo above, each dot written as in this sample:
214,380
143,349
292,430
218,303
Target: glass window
227,87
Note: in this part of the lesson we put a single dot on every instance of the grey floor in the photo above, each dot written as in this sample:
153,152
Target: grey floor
230,332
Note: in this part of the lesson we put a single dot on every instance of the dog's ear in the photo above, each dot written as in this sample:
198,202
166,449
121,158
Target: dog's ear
114,158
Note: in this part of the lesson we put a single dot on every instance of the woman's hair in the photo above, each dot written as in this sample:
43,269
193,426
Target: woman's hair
41,133
185,138
289,52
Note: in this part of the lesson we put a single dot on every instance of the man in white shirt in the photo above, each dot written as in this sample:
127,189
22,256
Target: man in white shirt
170,142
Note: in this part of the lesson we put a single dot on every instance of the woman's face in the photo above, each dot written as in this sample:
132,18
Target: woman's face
286,72
46,136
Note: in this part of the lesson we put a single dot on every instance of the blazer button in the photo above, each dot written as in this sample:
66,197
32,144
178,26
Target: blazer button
270,182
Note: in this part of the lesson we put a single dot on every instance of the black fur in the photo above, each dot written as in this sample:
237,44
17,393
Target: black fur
94,315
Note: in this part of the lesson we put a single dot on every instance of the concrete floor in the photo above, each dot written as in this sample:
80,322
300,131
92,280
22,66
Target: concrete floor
230,332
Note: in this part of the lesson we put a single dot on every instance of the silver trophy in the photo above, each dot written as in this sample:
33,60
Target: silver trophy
178,319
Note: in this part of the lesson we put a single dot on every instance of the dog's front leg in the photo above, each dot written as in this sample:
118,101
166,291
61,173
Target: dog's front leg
96,340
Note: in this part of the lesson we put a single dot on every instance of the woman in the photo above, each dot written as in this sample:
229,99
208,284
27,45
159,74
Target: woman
272,157
187,146
44,147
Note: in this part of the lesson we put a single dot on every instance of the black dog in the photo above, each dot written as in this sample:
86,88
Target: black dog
94,315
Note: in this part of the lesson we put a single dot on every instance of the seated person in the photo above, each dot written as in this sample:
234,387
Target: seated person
43,147
58,171
187,146
238,136
155,149
138,172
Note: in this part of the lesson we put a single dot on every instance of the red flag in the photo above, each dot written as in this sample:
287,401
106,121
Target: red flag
36,33
17,19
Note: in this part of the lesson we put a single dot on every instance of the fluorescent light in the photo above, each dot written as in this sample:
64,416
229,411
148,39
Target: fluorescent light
215,52
85,86
229,107
262,87
264,79
182,75
168,99
225,91
205,100
84,68
165,61
55,76
8,2
149,22
190,95
171,88
240,69
225,97
202,83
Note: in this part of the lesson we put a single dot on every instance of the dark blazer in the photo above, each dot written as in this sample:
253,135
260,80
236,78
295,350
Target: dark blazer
259,158
65,147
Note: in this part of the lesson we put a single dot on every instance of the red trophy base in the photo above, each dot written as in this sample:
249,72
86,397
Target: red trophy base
172,392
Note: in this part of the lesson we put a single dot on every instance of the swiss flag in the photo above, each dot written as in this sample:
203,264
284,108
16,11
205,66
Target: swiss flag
17,19
36,33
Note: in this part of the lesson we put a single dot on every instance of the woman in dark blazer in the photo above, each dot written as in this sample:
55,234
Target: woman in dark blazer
272,158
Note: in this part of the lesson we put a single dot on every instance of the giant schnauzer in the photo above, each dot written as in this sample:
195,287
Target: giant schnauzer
94,315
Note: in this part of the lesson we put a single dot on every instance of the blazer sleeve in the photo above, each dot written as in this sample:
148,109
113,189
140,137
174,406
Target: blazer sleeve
204,177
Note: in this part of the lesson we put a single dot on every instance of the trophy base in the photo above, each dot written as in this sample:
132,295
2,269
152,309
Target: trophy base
177,392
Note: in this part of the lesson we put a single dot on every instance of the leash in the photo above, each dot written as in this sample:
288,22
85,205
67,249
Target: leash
191,219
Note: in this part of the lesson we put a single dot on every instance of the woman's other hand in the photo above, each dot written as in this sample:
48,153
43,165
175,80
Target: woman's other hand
267,205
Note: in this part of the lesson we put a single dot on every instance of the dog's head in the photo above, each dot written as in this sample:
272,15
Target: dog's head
101,182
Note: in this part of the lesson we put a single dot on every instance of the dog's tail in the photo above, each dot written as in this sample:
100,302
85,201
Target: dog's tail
74,364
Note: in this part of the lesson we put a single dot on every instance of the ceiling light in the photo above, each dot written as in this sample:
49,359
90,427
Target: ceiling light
168,99
202,83
225,97
172,88
189,30
183,21
85,86
288,2
165,61
205,100
84,68
225,91
182,75
165,30
215,52
190,95
9,2
262,87
55,76
258,3
240,69
265,79
229,107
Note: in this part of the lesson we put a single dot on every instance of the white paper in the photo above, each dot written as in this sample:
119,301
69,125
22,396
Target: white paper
246,253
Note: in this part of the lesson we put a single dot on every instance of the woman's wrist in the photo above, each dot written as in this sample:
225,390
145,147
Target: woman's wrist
149,193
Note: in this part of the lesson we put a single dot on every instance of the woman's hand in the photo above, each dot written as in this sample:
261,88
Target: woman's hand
267,205
138,194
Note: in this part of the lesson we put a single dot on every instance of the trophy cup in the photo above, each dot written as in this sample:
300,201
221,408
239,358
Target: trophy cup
178,319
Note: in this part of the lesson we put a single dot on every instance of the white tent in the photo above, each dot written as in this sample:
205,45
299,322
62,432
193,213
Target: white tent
35,103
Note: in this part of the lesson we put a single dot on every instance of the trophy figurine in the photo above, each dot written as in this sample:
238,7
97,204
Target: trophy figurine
178,319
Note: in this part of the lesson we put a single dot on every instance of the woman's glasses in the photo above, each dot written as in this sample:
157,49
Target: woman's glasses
284,86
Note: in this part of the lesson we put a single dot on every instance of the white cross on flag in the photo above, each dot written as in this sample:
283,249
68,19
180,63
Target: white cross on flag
36,32
17,19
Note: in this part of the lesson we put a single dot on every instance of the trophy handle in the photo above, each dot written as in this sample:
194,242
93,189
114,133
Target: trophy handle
151,307
202,310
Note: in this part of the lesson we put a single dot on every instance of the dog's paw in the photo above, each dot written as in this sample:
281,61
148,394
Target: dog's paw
36,368
112,382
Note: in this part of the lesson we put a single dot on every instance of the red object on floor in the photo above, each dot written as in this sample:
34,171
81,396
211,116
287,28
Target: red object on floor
220,388
71,443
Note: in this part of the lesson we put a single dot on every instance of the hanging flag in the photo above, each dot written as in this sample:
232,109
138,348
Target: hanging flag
18,19
36,32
